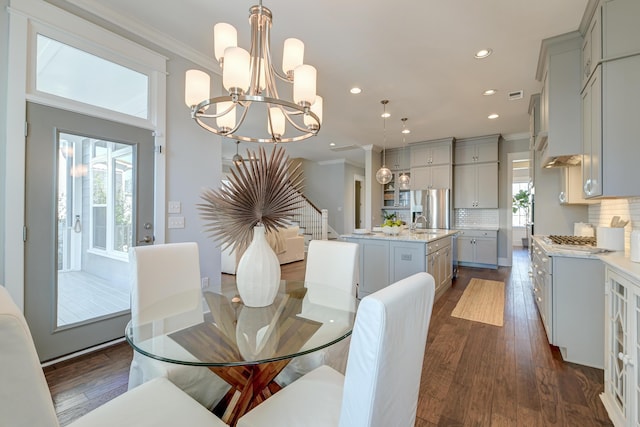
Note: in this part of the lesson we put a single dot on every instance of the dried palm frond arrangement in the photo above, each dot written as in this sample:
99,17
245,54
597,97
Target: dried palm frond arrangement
264,192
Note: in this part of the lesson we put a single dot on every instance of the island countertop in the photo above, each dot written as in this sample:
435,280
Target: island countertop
426,236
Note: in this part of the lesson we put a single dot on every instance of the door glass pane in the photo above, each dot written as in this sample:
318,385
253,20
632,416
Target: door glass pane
71,73
96,193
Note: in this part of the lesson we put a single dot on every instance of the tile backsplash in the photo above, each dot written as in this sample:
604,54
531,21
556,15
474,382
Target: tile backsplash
476,217
600,214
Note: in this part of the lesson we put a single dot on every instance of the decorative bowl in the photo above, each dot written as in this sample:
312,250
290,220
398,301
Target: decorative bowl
392,231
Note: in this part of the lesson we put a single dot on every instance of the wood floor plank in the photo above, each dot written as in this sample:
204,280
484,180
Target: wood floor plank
473,374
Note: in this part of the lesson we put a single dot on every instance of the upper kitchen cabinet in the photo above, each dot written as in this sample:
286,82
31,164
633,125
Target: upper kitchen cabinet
475,174
559,65
571,187
397,159
431,153
482,149
431,164
613,32
611,129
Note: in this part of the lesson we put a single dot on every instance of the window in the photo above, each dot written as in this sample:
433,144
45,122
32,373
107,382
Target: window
520,217
111,189
71,73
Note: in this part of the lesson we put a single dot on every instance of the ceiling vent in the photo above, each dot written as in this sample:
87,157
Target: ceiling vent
517,94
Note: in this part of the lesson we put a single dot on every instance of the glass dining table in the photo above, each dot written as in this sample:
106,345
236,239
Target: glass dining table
245,346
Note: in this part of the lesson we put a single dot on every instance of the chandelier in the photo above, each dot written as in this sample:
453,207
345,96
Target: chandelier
384,175
249,77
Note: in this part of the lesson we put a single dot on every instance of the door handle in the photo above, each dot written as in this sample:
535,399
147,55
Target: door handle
146,239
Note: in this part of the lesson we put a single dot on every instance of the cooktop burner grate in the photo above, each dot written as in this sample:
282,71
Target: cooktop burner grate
573,240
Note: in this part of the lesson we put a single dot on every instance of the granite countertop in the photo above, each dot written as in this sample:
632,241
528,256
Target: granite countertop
620,260
567,250
427,236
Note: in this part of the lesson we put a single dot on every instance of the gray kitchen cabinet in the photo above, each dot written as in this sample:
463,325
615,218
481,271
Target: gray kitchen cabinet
438,262
622,319
394,197
478,248
476,150
610,103
560,75
374,265
397,159
431,153
475,186
406,259
425,177
592,47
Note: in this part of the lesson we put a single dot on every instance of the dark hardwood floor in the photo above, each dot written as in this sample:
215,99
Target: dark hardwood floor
474,374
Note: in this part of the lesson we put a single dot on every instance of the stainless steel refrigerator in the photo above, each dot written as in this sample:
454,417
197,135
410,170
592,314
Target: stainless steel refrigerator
434,204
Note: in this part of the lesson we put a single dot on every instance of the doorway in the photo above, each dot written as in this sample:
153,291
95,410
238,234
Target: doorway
358,202
89,198
519,186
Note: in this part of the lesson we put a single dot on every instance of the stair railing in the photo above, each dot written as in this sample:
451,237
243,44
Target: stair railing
313,220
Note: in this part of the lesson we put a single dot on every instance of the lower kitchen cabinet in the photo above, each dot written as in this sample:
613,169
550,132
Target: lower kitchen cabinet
374,265
439,264
621,395
478,248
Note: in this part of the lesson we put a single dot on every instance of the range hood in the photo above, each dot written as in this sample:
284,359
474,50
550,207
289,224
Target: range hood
553,159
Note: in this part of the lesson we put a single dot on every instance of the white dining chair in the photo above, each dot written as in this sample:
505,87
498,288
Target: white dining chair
159,272
25,400
382,380
334,264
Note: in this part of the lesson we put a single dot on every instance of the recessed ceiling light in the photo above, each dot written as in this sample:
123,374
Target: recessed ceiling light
385,115
406,131
333,144
493,116
489,92
355,90
483,53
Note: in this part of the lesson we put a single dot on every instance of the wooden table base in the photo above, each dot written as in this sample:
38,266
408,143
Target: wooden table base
250,386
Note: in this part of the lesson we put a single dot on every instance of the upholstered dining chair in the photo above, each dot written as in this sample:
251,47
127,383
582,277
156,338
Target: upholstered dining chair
334,264
158,272
382,380
25,400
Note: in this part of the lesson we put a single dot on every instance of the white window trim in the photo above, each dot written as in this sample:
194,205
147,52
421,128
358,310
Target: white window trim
24,17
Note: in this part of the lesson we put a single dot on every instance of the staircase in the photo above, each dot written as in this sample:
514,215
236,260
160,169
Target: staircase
313,222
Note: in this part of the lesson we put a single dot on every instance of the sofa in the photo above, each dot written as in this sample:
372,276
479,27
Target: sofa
287,243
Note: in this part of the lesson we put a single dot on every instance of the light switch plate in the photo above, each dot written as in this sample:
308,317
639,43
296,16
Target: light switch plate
176,222
174,207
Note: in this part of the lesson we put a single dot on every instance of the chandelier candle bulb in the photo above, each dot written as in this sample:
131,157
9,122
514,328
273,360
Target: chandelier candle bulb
236,73
316,108
276,121
292,56
196,87
227,121
304,85
224,36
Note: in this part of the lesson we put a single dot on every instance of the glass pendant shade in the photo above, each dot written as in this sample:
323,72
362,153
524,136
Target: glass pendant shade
196,87
276,120
404,181
293,55
236,73
224,36
316,108
227,121
383,176
304,85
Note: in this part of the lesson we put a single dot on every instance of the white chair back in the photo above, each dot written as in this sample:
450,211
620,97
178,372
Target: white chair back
162,271
24,395
382,379
333,263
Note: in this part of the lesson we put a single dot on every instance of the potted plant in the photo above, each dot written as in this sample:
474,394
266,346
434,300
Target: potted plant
522,202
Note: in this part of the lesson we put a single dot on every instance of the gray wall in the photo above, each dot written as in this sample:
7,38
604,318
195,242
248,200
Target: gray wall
4,41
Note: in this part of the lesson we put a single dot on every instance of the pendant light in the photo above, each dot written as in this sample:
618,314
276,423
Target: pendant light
237,159
404,180
384,175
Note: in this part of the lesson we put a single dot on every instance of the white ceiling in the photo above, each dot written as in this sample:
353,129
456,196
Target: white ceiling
418,54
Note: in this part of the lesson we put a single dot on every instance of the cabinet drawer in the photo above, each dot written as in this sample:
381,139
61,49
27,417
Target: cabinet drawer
438,244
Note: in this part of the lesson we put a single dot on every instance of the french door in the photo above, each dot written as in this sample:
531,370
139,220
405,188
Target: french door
89,198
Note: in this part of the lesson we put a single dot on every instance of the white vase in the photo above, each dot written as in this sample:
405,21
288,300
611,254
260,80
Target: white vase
258,272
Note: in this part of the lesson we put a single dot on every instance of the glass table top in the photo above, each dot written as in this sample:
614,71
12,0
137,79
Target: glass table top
212,329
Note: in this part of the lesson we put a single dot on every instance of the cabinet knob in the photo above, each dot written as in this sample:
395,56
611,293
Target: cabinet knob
626,360
562,197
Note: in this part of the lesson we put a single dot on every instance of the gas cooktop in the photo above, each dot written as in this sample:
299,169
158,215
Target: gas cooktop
572,240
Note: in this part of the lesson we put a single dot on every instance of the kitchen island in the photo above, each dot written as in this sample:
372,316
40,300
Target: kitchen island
385,259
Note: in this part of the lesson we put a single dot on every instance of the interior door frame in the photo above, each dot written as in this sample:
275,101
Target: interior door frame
24,19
